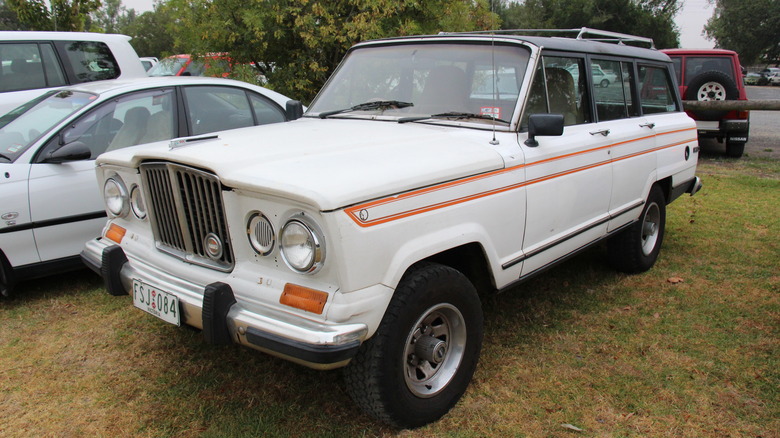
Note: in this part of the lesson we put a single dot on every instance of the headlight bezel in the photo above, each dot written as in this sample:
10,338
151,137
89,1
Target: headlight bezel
258,219
315,241
137,203
117,201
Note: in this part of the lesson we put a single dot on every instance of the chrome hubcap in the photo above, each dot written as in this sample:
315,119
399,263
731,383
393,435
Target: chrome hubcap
434,350
650,228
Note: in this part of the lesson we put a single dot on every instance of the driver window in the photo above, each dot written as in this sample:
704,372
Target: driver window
559,87
136,119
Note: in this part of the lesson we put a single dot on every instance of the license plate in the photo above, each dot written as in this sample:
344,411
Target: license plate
159,303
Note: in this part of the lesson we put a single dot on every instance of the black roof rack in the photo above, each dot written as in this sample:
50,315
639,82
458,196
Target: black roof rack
583,33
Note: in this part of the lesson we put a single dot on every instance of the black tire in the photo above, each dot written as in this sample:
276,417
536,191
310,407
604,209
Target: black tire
604,83
6,279
735,149
636,248
711,85
421,359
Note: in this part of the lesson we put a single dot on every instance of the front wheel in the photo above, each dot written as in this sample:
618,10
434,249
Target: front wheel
636,248
604,83
421,359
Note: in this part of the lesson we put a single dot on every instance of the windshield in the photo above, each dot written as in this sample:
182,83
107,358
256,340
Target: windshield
436,79
30,122
167,67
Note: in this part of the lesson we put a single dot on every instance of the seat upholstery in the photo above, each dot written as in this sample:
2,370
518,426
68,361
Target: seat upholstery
562,94
133,129
446,89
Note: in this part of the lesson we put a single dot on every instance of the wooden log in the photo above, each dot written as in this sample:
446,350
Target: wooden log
732,105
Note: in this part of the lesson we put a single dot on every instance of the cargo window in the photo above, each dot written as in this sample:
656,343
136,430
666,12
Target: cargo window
656,92
90,61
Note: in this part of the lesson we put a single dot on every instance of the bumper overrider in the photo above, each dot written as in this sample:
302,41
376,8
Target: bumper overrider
214,309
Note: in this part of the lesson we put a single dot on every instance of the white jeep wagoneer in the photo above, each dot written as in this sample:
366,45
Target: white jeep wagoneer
427,169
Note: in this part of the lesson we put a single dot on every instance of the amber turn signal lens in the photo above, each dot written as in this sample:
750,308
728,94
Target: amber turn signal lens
304,298
115,233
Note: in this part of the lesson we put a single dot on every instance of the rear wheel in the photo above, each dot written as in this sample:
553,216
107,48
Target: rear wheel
424,353
6,284
636,248
735,149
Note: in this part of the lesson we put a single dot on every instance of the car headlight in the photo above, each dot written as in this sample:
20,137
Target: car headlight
115,196
261,234
137,203
302,247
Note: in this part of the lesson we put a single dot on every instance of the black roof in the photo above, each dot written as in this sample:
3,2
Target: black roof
547,43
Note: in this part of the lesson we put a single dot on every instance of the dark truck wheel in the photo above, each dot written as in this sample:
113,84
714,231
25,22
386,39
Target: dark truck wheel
711,85
636,248
424,353
735,149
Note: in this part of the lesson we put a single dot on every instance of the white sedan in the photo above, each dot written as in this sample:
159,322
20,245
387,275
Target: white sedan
50,203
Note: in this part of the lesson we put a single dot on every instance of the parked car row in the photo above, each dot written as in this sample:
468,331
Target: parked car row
767,76
51,133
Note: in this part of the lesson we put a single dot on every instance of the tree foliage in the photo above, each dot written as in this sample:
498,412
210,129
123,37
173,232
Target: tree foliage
749,27
57,15
648,18
297,45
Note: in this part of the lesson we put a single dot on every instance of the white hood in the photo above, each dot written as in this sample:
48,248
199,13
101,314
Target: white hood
330,163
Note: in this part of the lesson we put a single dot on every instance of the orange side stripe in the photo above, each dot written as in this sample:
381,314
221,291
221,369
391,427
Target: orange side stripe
354,215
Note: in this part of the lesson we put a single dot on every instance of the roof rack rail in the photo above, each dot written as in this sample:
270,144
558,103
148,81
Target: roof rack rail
582,34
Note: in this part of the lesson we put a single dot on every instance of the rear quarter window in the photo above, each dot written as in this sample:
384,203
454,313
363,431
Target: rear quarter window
90,60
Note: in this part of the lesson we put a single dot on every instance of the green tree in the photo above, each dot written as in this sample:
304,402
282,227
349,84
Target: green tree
296,45
648,18
151,36
108,17
8,19
57,15
749,27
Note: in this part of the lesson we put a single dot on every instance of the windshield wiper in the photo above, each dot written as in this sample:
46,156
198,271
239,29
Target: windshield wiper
452,115
368,106
3,157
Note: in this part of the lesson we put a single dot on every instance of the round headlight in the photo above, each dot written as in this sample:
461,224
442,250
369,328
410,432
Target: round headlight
261,234
137,203
115,196
302,248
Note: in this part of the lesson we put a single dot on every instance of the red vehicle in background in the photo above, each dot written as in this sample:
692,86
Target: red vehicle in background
714,74
212,64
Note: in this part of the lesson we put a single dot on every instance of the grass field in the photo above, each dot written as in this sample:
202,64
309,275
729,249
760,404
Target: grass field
689,349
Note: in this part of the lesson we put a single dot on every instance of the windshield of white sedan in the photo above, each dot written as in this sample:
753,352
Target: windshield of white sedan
417,82
24,125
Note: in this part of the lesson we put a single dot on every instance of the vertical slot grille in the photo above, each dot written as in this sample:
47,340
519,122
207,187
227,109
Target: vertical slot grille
185,208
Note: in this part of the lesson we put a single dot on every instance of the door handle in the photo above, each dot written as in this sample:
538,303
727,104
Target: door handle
604,132
647,125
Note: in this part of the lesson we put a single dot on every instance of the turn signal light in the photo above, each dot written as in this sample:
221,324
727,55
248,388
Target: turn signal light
115,233
303,298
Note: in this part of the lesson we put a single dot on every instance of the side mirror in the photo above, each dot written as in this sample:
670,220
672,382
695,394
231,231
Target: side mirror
544,125
76,151
294,109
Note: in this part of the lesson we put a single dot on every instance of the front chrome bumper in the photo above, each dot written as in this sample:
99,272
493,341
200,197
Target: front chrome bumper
213,308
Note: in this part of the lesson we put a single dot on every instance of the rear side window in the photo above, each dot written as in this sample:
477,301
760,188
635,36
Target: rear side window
27,66
211,109
656,91
612,89
90,60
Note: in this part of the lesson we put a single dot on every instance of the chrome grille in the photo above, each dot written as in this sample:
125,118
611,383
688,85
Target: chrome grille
185,208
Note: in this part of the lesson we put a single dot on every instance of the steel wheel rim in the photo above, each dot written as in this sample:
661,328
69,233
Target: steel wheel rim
651,227
711,91
443,328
